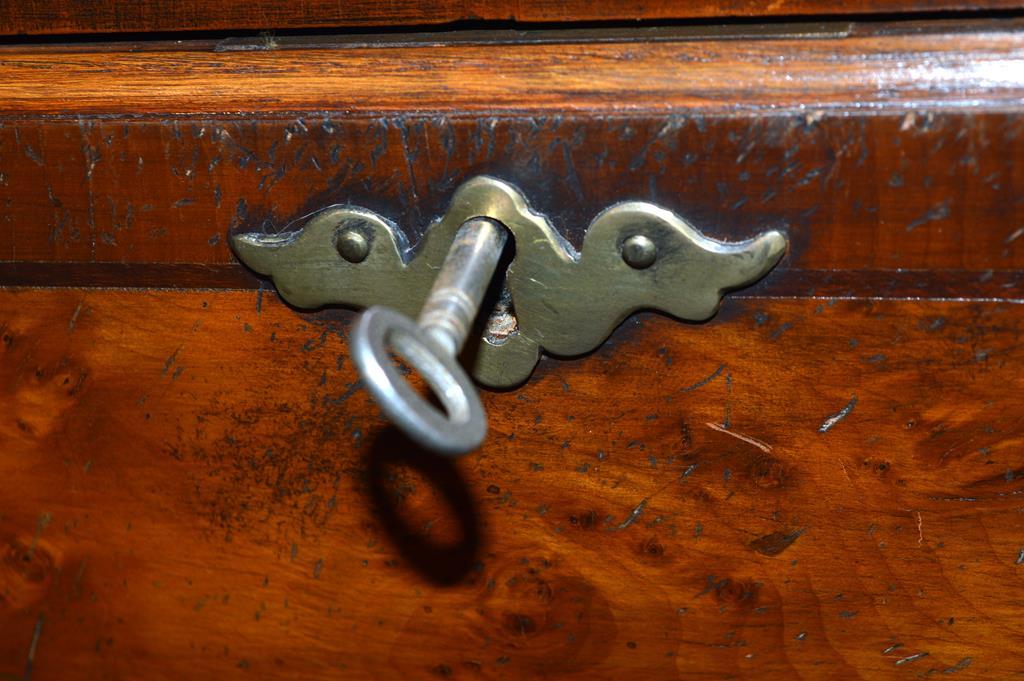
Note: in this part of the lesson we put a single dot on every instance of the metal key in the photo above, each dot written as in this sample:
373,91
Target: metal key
432,345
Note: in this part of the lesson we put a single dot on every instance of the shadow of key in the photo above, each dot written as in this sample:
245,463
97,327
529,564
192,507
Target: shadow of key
393,462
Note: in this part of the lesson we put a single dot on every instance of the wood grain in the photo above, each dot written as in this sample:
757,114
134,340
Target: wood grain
958,66
822,482
68,16
889,155
194,485
883,203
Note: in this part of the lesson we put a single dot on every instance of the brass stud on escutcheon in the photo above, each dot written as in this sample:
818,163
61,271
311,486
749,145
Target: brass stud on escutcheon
639,252
353,246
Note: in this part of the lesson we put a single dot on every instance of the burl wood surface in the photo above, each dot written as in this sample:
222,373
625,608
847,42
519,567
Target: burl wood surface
75,16
194,485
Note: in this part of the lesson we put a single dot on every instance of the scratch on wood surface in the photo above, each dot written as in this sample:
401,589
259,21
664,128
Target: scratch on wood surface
634,514
704,381
44,520
920,533
959,666
171,360
910,658
727,419
763,446
32,647
1013,237
935,213
74,317
838,416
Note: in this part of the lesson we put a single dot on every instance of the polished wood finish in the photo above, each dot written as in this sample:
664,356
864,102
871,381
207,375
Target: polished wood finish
69,16
887,204
886,190
954,64
880,191
195,485
822,482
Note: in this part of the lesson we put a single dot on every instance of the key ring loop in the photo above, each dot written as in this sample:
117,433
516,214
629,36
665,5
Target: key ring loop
462,425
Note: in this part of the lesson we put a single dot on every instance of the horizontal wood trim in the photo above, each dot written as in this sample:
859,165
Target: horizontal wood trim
784,283
984,67
195,486
68,16
127,275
